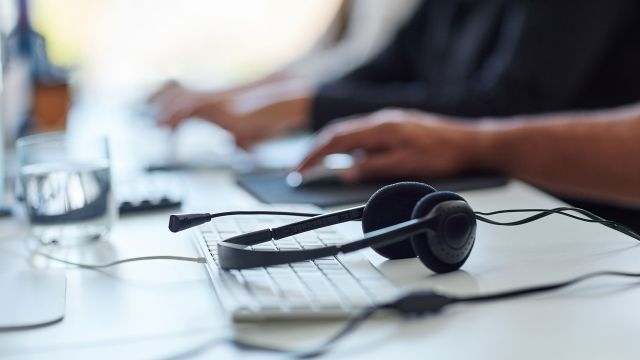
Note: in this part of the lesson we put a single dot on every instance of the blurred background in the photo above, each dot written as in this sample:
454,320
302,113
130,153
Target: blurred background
129,46
123,49
83,66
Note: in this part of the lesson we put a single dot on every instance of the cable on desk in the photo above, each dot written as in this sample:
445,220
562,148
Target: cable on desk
589,217
544,288
413,304
199,260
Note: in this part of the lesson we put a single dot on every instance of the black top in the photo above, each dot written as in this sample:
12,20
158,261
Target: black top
498,58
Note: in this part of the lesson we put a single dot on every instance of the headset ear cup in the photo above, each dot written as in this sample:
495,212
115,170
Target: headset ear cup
434,248
392,205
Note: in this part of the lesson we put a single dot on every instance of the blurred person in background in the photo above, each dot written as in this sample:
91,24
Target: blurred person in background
453,57
360,29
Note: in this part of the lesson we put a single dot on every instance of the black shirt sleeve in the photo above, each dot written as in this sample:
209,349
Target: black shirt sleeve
391,64
540,60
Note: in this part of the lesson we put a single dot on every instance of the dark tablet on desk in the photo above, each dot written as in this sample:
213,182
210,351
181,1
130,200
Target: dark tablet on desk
271,187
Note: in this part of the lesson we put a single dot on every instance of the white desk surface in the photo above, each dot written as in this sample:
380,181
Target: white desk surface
155,309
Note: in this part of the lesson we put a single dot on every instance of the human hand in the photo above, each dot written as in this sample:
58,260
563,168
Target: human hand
399,144
175,103
250,116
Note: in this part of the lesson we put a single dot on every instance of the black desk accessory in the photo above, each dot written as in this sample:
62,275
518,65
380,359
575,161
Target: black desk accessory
271,187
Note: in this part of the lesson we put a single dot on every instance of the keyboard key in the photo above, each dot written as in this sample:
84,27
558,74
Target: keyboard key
225,225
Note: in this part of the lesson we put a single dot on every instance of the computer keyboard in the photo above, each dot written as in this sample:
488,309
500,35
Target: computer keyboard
328,287
149,192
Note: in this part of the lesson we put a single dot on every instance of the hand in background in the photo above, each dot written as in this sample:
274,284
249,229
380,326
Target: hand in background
250,115
399,144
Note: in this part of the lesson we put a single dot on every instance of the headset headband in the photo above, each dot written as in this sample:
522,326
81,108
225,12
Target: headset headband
233,252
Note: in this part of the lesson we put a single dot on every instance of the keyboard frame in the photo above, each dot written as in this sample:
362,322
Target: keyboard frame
225,293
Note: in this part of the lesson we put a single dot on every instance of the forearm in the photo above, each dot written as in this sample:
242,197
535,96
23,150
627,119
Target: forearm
592,156
341,99
287,101
270,80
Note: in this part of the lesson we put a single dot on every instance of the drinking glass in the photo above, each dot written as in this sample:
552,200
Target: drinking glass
65,185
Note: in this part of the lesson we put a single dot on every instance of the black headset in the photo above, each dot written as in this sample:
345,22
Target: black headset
402,220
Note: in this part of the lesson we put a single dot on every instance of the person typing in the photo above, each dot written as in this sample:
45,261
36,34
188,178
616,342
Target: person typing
460,58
